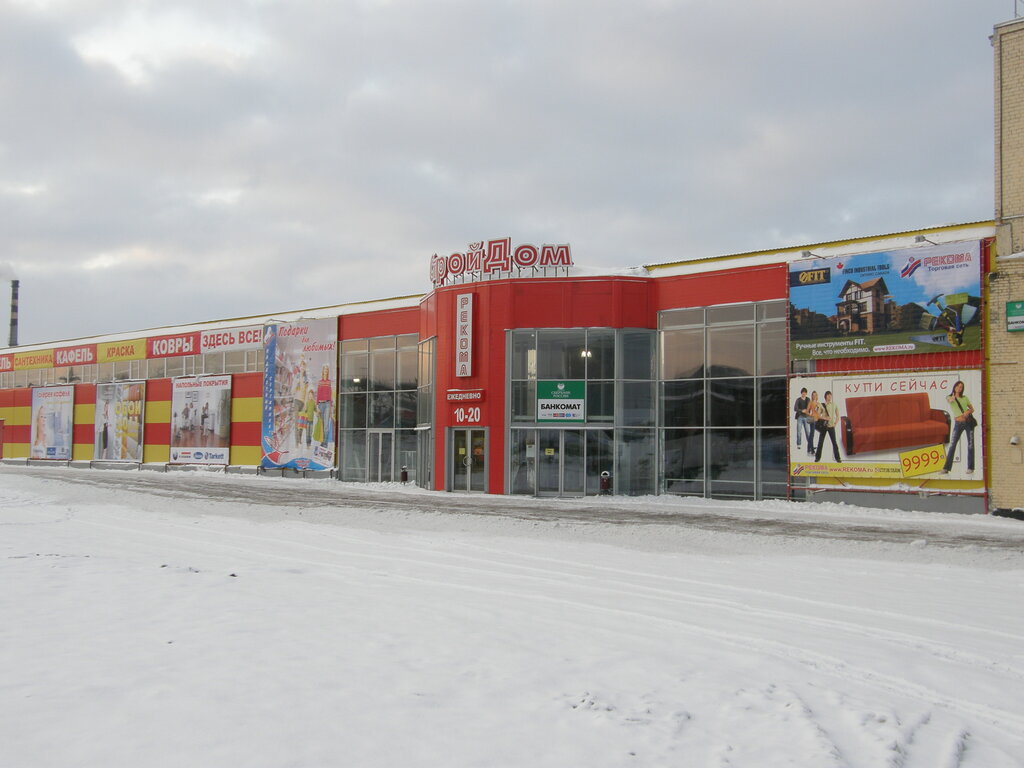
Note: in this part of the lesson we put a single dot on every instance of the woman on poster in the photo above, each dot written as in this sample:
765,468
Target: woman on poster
827,426
325,404
962,411
813,416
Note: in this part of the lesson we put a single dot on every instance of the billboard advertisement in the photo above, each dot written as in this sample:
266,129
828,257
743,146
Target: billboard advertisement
902,427
908,301
120,410
201,420
300,377
53,411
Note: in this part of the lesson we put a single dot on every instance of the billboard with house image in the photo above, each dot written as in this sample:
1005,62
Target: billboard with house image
913,300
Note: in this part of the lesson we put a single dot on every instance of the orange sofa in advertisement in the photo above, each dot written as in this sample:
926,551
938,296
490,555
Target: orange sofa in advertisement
892,422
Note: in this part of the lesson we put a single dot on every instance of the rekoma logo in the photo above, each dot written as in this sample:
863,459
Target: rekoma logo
912,265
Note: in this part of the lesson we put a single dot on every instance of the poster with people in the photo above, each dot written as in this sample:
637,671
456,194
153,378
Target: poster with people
908,301
53,411
300,394
120,411
201,420
902,427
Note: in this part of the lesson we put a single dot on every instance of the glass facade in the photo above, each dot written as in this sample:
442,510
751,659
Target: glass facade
617,433
378,408
722,398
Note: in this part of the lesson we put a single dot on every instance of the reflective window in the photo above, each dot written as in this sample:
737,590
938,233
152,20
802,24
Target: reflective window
682,355
731,351
638,354
560,354
731,402
682,403
600,353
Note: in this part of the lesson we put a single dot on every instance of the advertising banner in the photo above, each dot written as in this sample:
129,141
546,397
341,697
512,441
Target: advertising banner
53,413
201,420
232,339
561,401
920,425
117,351
120,407
299,394
908,301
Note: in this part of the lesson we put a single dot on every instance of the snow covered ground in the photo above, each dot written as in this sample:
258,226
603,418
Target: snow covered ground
201,620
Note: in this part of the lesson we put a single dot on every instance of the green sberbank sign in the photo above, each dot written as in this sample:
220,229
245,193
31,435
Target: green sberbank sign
560,401
1015,315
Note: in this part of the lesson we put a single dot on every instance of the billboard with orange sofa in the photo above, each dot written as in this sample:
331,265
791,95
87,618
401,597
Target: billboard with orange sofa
900,427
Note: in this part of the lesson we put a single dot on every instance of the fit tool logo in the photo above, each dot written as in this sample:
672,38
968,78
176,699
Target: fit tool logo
810,277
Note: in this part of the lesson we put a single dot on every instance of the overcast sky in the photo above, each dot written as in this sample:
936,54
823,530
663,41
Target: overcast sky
170,162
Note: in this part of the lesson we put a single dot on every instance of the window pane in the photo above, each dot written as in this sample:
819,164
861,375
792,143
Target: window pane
353,411
731,454
771,310
636,462
600,458
638,354
353,455
355,372
601,354
406,452
425,405
382,409
213,362
157,369
771,349
774,411
382,343
676,317
683,457
522,458
234,362
682,403
524,355
560,354
731,351
774,467
731,402
600,400
355,345
736,313
524,400
406,410
382,370
425,376
406,368
682,354
637,404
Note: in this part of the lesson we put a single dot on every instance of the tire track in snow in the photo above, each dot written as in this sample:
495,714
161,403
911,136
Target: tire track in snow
1010,723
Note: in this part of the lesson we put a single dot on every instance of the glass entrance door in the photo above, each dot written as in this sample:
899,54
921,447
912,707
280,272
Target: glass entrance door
468,459
560,468
380,447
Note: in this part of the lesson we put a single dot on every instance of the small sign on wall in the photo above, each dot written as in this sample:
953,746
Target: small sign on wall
1015,315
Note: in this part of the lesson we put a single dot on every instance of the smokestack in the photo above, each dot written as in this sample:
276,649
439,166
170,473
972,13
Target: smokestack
14,314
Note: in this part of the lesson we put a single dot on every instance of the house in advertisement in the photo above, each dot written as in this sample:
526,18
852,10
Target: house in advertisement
883,371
